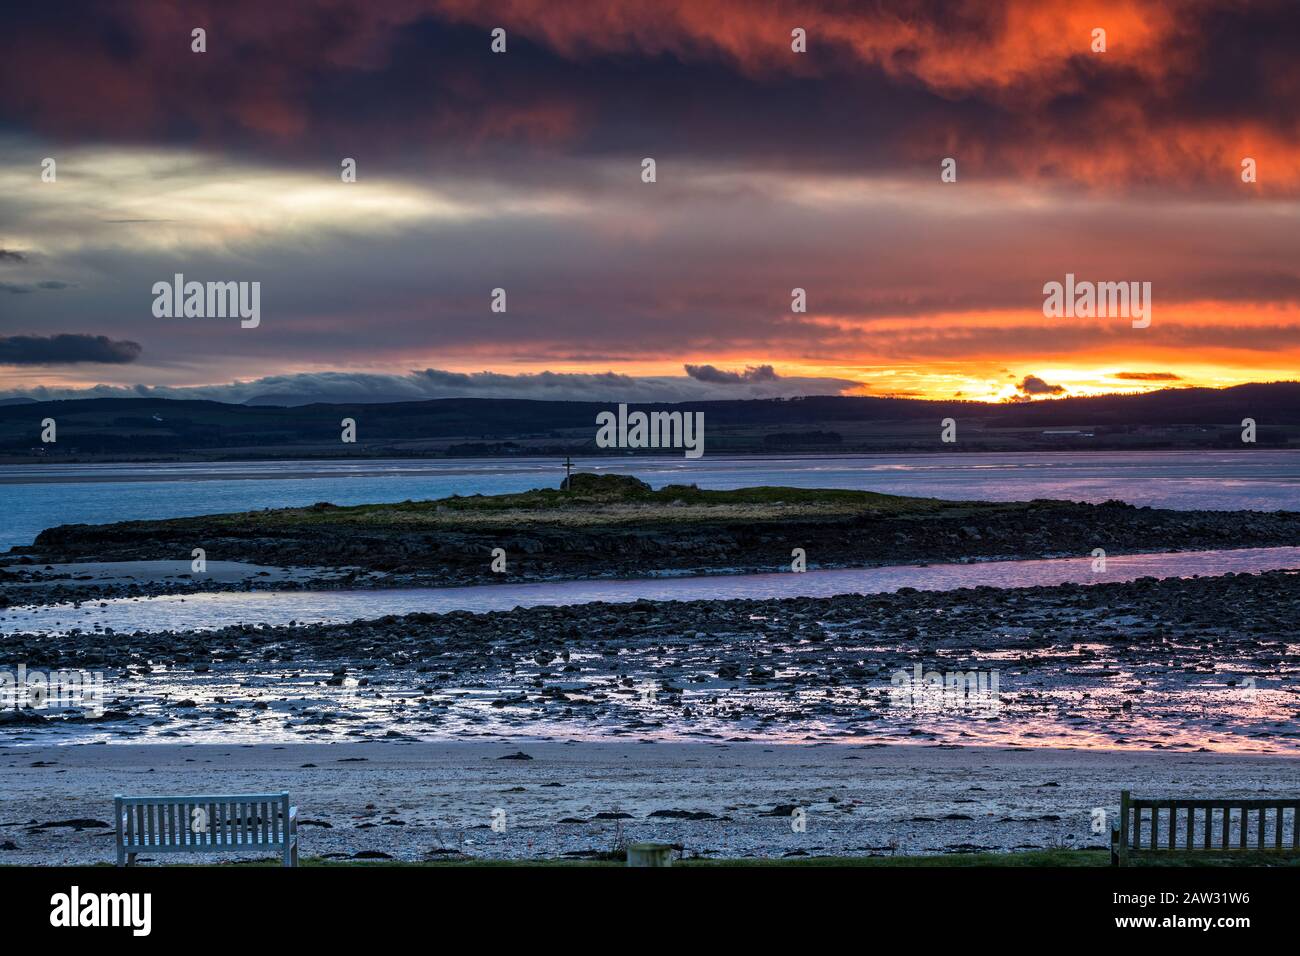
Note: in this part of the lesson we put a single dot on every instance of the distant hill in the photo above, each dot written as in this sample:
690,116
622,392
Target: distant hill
146,428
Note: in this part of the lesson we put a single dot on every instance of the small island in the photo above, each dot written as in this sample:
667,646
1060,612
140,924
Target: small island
613,526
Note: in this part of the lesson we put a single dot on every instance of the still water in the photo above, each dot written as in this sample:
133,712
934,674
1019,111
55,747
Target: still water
207,611
36,497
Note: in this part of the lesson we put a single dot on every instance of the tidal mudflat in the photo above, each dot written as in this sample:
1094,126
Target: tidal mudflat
1179,664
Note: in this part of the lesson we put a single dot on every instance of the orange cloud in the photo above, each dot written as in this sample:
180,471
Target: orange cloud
974,44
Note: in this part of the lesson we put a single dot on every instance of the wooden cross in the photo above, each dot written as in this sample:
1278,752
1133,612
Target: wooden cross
568,468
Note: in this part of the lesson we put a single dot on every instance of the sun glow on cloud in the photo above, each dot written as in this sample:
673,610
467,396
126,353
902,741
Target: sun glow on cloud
197,200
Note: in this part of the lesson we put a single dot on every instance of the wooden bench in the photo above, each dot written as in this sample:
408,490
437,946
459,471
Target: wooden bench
1206,826
206,824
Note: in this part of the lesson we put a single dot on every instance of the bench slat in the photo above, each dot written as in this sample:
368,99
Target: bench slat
1216,804
188,798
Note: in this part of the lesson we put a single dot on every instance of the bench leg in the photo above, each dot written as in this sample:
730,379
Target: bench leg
130,859
121,856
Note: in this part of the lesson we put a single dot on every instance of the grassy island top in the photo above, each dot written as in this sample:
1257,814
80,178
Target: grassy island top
613,500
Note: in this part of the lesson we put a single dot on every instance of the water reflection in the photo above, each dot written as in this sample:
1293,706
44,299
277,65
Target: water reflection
210,611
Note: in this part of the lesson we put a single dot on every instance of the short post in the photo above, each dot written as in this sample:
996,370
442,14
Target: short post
649,854
121,832
1123,827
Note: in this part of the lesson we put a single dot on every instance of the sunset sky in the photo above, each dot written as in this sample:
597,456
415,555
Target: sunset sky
522,170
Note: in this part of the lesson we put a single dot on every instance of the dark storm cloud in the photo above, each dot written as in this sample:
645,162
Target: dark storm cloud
1033,385
66,349
14,288
309,387
710,373
1009,88
1148,376
8,255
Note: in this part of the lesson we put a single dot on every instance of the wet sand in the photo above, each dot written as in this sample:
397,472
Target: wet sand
416,801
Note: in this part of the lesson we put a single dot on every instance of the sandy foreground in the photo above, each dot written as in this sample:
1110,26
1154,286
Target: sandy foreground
422,800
